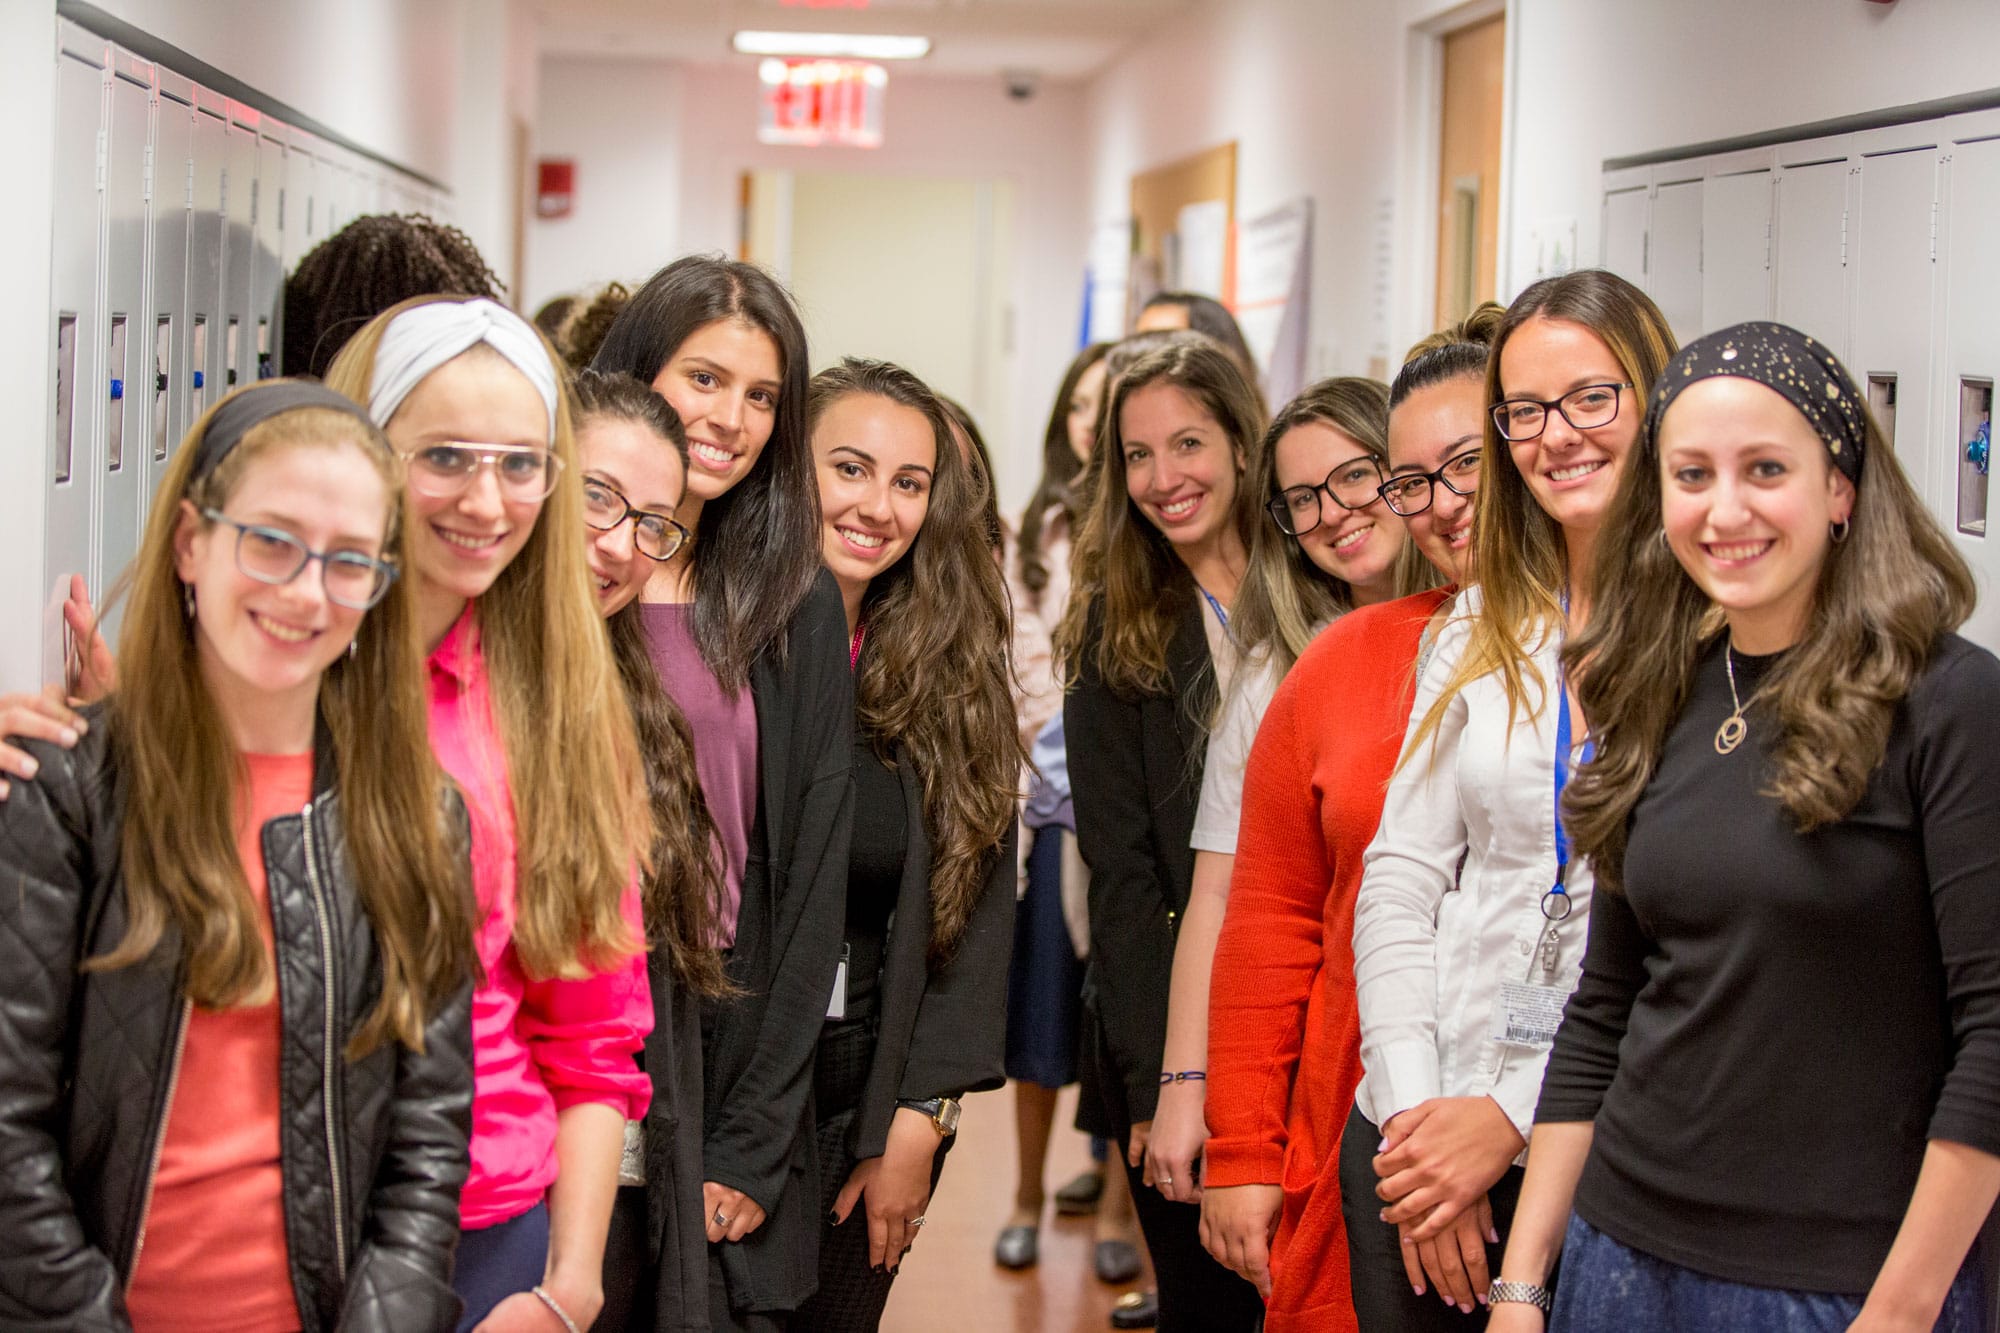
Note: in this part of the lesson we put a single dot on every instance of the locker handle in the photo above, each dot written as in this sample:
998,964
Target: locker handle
264,367
160,382
117,390
198,378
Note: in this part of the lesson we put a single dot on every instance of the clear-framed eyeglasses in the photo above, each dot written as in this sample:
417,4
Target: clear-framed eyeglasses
274,556
526,473
657,536
1297,510
1414,492
1585,408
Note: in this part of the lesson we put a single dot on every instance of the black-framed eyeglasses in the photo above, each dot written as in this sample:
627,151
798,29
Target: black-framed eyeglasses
274,556
1413,492
1587,408
657,536
1297,510
441,471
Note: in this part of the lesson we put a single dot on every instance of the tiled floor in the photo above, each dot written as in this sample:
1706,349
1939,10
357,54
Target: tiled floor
950,1281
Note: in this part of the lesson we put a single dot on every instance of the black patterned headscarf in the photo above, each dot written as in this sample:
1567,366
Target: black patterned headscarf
1801,369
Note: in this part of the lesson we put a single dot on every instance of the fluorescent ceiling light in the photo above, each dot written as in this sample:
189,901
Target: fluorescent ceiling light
832,45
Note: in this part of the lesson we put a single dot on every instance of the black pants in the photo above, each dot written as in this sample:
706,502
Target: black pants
1384,1301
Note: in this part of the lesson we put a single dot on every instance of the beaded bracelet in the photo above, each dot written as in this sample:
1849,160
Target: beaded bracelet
557,1310
1185,1076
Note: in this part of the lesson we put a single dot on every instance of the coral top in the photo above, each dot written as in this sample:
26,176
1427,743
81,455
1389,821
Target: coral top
1284,1036
212,1258
537,1046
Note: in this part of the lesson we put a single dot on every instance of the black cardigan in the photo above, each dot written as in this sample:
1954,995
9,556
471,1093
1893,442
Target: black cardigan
944,1032
1135,770
757,1121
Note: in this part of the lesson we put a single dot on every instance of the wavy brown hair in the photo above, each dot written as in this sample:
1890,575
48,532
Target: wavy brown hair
182,772
682,882
1055,493
565,728
1286,598
933,682
1517,549
1122,567
1883,598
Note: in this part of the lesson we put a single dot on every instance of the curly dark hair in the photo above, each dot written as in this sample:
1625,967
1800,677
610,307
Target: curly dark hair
584,327
367,266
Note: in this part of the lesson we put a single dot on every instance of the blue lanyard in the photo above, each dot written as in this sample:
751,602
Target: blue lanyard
1556,904
1221,615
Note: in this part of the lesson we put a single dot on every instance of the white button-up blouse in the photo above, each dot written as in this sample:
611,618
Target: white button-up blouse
1450,904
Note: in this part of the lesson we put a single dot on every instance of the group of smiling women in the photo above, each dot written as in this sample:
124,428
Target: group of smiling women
545,853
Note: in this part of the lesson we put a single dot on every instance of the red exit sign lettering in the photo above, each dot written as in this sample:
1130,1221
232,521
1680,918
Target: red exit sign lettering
816,102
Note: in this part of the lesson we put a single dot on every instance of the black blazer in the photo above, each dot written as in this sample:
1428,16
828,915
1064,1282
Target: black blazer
676,1216
757,1117
1135,771
942,1032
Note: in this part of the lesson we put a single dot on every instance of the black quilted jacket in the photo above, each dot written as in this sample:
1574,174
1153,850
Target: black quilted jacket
373,1151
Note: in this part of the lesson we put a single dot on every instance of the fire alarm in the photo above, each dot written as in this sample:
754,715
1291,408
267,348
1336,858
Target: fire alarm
555,187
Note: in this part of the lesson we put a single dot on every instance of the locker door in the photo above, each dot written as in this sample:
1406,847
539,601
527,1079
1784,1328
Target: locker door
204,381
1812,251
1673,261
267,273
1894,302
1972,365
121,493
239,257
1736,249
78,330
1624,236
173,158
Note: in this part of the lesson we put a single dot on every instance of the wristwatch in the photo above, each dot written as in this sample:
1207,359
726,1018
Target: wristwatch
1522,1293
943,1112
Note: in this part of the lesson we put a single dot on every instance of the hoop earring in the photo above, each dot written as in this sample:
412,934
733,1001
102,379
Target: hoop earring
1838,531
187,600
1665,544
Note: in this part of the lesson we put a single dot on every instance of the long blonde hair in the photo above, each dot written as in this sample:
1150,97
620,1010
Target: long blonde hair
580,816
1518,550
182,773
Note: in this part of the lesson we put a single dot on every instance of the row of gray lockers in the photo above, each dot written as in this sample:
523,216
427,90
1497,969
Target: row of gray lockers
178,212
1880,243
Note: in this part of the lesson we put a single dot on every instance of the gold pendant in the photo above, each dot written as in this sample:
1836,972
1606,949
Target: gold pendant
1731,733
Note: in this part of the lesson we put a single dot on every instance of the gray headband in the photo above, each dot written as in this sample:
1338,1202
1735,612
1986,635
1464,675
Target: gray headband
242,412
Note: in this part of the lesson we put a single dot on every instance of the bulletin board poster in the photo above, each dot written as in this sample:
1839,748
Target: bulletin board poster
1108,283
1274,294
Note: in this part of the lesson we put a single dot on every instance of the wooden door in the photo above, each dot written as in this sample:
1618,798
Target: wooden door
1469,168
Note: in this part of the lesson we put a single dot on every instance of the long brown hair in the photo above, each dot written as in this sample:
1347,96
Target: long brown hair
1517,549
682,883
1286,598
1056,490
1121,562
933,680
572,756
1882,599
183,774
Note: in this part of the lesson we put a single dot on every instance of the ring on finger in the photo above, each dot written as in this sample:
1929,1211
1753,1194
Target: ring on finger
719,1219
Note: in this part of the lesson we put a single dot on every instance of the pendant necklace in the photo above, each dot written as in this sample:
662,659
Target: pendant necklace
1733,729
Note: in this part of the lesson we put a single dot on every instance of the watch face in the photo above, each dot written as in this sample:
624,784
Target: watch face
947,1117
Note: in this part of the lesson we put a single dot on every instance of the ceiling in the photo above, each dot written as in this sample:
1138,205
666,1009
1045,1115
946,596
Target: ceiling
1057,39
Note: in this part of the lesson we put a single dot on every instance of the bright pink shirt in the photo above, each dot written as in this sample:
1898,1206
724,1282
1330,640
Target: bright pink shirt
538,1046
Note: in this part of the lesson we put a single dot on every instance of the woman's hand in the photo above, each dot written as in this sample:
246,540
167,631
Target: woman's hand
36,717
91,672
1237,1223
895,1188
740,1213
1135,1149
1456,1260
1179,1131
1441,1155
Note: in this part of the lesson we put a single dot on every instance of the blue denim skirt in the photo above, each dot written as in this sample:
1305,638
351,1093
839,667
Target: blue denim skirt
1607,1287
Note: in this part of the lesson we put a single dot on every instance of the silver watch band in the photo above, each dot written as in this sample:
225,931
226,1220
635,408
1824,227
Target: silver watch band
1523,1293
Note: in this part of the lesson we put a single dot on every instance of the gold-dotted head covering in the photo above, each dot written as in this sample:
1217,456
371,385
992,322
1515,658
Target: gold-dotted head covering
1801,369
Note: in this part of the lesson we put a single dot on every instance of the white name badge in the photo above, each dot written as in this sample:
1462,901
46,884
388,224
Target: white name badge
836,1006
1528,1015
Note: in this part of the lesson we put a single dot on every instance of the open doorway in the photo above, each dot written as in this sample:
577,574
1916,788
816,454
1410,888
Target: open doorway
1471,87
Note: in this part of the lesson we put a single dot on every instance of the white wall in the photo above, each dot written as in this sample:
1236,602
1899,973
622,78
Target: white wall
659,162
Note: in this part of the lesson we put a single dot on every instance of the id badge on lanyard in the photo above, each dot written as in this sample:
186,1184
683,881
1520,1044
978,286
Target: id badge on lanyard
1531,1010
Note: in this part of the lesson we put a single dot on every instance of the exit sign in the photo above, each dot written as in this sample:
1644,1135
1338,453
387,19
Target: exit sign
814,102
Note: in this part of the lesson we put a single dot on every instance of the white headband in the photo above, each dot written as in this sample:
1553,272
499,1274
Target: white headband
424,337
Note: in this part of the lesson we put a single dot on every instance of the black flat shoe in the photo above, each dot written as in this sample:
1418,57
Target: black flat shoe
1017,1248
1116,1261
1136,1309
1079,1197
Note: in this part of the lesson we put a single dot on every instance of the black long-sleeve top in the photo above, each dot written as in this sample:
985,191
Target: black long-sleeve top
1771,1026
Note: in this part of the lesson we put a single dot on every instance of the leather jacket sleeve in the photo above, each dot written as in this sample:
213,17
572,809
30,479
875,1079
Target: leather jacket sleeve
400,1277
51,1277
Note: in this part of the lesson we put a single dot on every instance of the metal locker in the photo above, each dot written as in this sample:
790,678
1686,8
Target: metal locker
1735,249
1964,432
1673,260
204,270
1624,236
1894,301
78,333
127,335
239,252
267,272
173,200
1811,244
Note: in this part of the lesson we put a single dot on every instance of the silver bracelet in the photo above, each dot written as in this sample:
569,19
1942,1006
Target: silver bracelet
1523,1293
556,1310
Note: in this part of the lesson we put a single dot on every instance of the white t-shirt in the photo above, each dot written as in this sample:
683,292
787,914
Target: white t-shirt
1220,810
